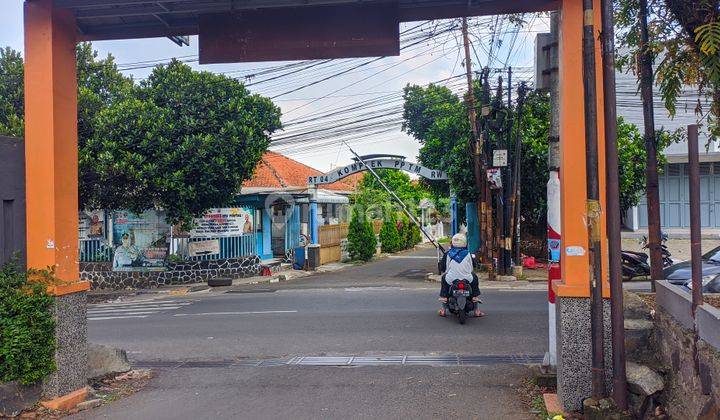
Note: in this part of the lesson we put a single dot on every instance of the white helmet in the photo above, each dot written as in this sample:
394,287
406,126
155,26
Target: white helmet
459,240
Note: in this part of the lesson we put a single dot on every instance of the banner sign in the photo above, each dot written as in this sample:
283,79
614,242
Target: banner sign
340,173
92,224
494,177
200,248
139,240
224,222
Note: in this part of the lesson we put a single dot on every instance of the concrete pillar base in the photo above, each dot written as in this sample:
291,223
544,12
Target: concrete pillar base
70,313
574,351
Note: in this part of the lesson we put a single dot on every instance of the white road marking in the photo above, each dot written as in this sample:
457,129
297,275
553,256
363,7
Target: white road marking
133,310
149,308
121,314
139,305
102,318
237,313
413,257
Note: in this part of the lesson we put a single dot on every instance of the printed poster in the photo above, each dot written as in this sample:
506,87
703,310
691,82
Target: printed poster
139,241
224,222
92,224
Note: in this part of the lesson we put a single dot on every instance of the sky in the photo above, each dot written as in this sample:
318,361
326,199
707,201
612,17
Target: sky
321,118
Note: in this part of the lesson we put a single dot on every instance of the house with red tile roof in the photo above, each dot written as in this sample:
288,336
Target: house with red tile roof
280,194
279,172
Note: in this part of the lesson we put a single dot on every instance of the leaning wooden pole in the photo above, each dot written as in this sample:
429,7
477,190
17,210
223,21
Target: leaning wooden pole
652,189
593,209
695,236
475,143
617,317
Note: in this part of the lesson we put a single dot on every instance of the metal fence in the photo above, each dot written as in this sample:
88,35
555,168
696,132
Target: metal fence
95,250
230,247
98,250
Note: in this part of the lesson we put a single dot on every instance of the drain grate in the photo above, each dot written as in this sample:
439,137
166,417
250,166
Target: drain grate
380,360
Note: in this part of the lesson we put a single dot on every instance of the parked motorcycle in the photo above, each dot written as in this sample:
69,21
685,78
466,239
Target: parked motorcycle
460,303
637,264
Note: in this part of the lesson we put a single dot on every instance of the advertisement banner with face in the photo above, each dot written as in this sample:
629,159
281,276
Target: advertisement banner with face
139,241
224,222
92,224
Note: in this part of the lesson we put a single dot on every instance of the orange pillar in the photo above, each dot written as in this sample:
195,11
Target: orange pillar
51,145
575,281
573,290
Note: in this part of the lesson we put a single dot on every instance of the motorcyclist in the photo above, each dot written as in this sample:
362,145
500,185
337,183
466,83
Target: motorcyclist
458,264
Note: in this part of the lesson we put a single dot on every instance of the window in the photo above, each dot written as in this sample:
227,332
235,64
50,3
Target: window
258,220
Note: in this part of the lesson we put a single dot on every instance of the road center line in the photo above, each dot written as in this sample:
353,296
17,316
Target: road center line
237,313
116,317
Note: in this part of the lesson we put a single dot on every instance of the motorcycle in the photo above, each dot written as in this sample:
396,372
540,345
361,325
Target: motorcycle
637,264
459,302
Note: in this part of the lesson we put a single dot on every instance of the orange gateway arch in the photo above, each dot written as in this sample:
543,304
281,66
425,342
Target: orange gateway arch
232,31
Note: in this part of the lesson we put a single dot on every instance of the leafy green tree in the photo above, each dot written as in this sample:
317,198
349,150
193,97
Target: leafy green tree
390,239
437,119
182,140
12,105
361,238
425,105
684,36
185,143
377,202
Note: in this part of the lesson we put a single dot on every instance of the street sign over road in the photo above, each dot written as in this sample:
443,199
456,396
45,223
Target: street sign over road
340,173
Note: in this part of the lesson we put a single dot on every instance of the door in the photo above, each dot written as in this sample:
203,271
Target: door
279,227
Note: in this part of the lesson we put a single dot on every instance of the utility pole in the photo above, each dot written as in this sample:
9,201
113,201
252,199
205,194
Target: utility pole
475,144
490,234
617,316
651,167
516,175
593,209
507,219
553,187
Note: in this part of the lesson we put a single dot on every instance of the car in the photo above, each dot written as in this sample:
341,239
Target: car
681,273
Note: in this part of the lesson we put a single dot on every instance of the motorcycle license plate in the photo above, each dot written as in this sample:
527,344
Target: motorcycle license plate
462,293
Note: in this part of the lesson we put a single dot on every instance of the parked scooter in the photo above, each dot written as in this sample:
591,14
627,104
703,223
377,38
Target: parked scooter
637,264
460,303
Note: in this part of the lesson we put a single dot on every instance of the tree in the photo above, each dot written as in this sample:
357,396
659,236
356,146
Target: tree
361,238
376,200
425,105
390,239
184,142
437,119
685,39
12,105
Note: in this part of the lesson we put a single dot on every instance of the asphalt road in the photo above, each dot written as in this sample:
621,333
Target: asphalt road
383,308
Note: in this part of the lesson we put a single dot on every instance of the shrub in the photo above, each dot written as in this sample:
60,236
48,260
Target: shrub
413,235
361,238
409,233
389,236
27,327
